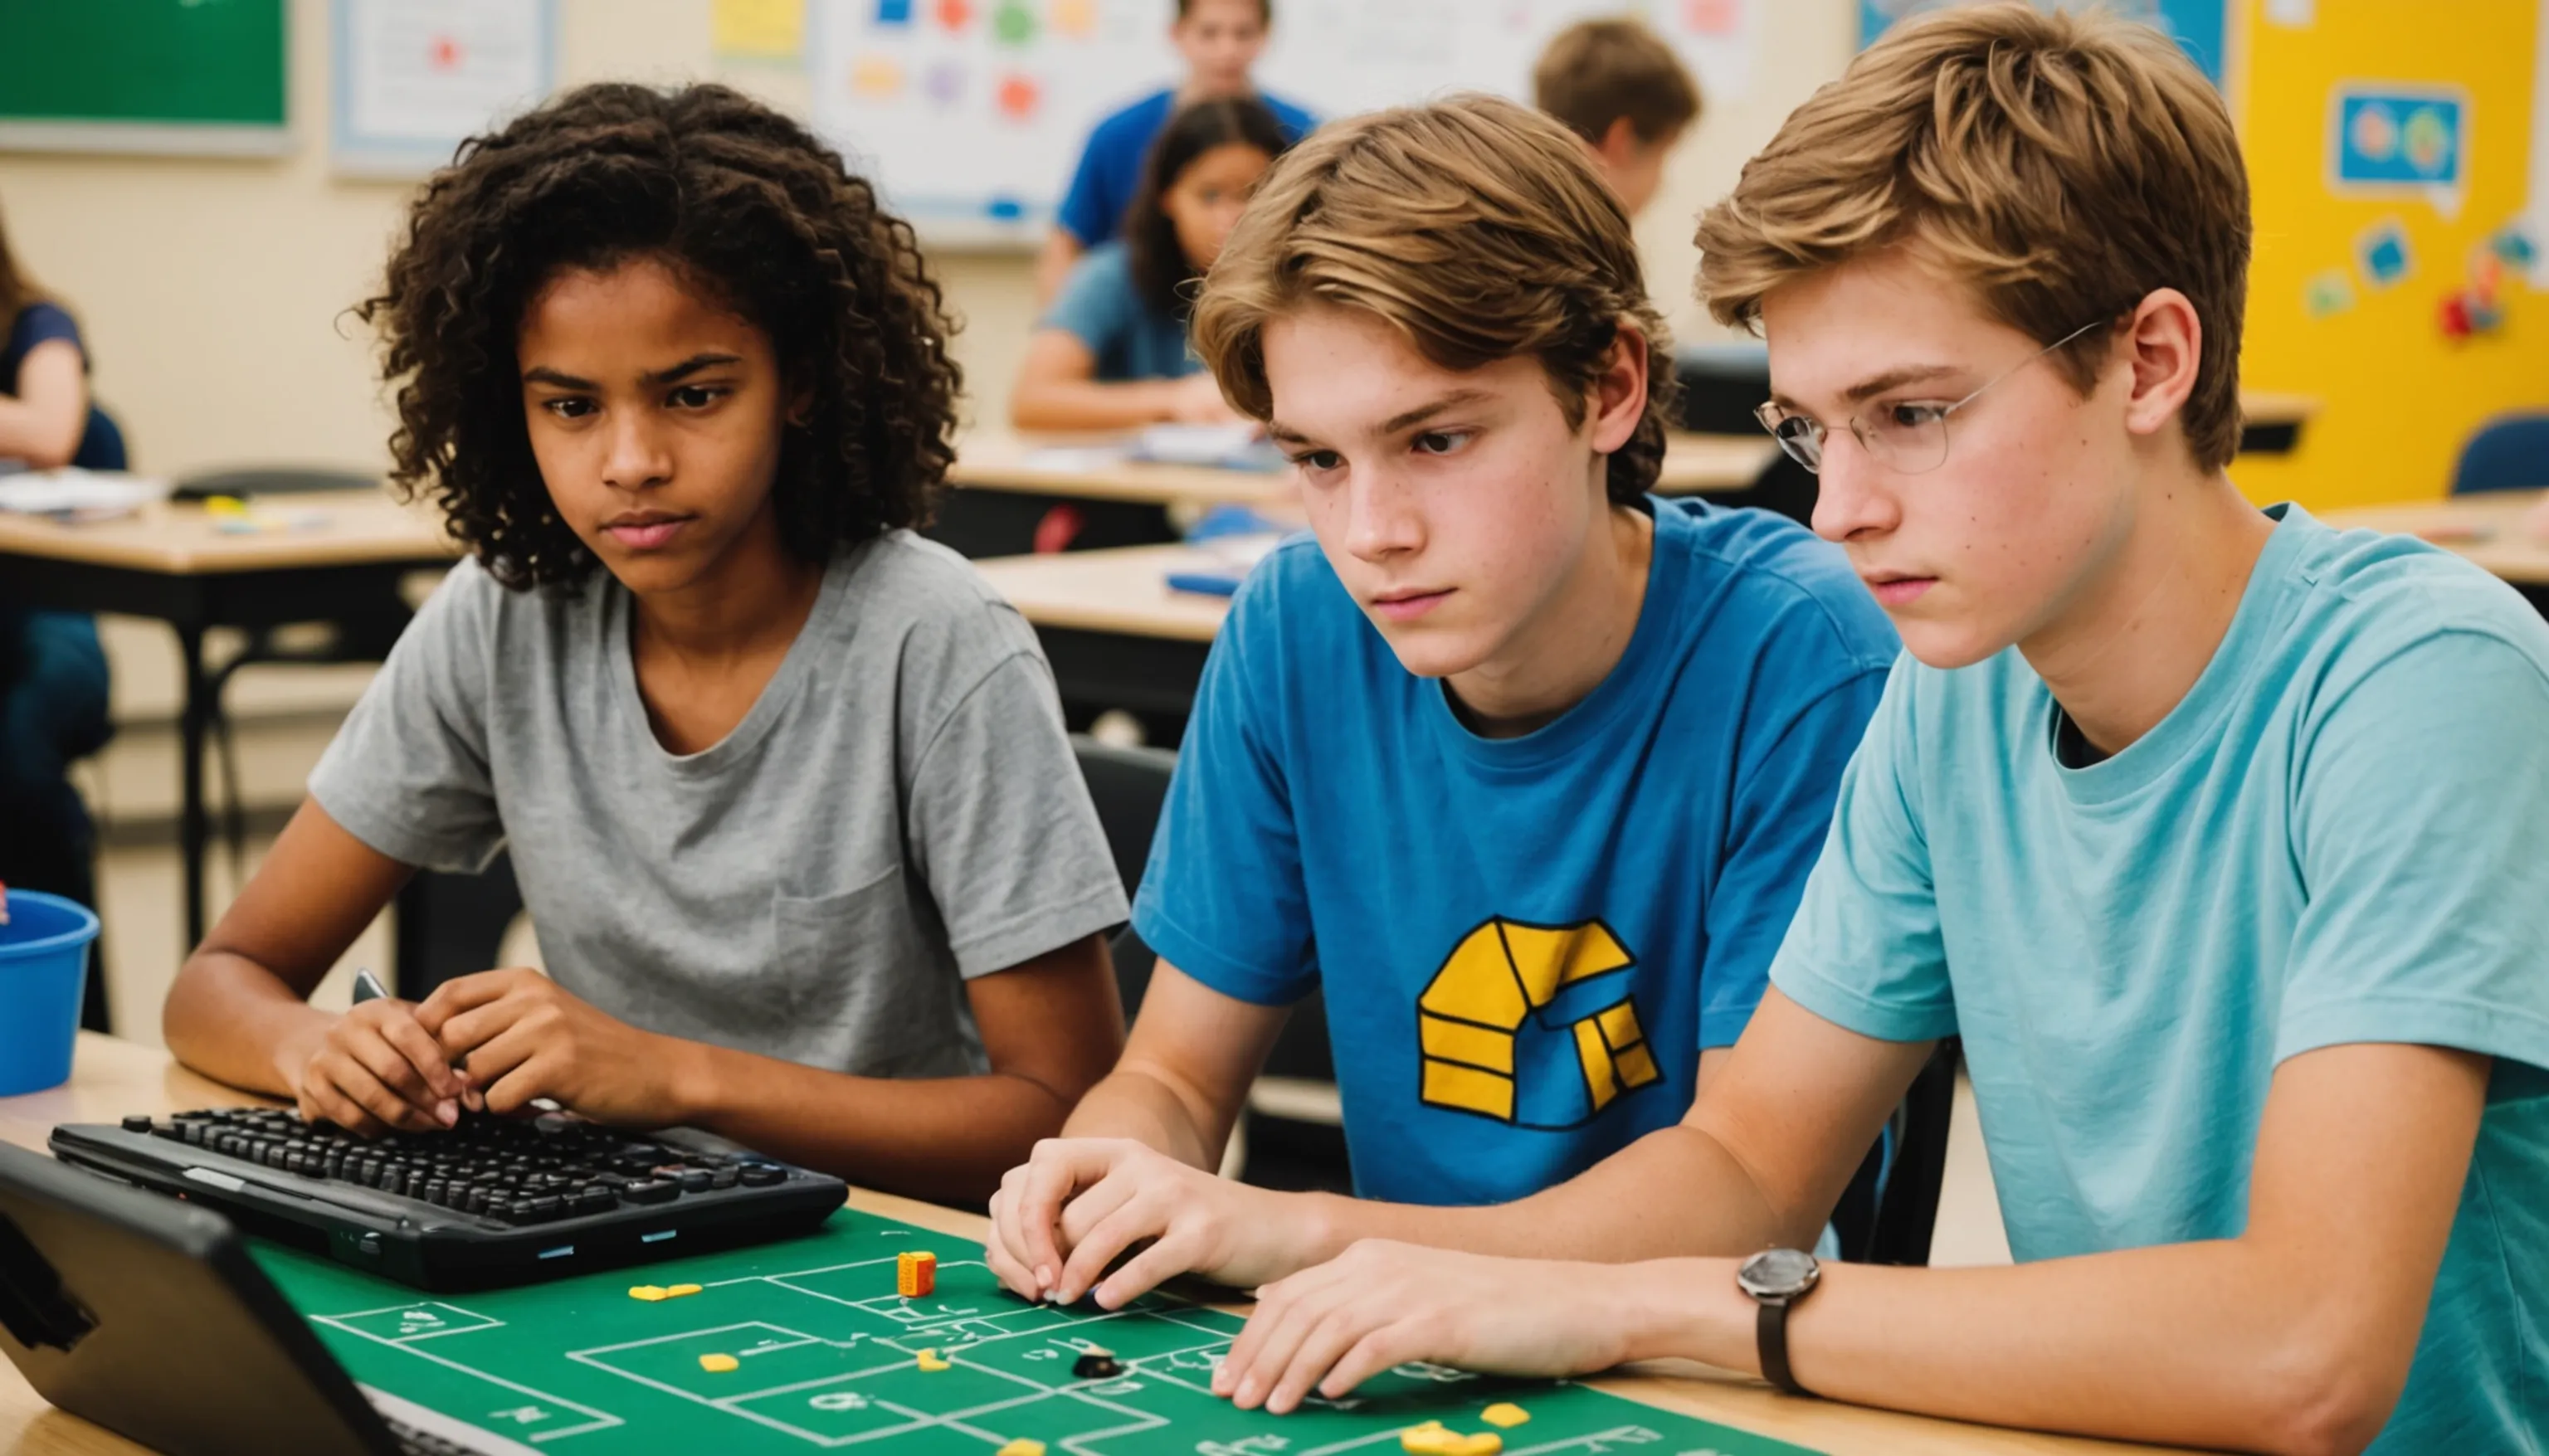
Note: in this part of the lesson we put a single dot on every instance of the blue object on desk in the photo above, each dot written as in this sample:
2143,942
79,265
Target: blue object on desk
1203,584
1232,521
43,968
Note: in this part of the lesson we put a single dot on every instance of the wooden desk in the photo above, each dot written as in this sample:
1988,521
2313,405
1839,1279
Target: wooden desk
987,462
171,562
2487,529
1004,484
1115,634
1073,467
112,1077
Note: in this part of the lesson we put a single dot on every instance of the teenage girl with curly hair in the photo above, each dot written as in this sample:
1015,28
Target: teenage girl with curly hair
785,786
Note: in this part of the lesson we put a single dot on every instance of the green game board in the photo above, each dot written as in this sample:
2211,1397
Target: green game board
828,1359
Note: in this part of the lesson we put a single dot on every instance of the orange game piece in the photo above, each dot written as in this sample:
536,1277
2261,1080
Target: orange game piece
915,1275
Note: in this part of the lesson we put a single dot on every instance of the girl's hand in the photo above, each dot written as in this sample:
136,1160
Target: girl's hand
1381,1305
1196,399
376,1070
520,1035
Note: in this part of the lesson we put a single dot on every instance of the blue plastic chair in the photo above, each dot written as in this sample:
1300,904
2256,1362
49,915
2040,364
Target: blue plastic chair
2509,453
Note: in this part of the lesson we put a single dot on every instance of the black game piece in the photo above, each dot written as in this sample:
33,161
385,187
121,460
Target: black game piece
1097,1365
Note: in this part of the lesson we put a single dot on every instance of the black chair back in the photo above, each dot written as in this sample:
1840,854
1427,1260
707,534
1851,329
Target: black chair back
1890,1210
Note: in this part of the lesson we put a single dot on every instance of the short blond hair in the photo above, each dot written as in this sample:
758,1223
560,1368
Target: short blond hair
1475,227
2062,165
1599,71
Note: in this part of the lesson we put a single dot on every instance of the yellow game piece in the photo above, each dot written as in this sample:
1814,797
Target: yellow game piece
1484,1443
916,1274
230,506
930,1361
1429,1439
718,1364
674,1292
648,1292
1505,1413
1022,1447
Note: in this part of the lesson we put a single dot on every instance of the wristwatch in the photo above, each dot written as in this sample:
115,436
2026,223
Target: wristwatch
1777,1278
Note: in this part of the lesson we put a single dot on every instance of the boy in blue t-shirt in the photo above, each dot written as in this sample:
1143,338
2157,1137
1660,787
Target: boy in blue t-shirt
2221,838
1522,766
1219,40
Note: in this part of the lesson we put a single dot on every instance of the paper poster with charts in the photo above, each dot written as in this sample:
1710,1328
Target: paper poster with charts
972,112
413,78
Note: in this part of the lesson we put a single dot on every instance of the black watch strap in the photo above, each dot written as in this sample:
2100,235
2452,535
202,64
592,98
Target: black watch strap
1773,1334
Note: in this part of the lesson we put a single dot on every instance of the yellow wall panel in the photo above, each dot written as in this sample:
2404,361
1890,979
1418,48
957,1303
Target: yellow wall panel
2400,396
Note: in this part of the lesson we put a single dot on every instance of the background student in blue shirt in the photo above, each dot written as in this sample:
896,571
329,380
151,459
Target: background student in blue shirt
1521,766
1220,41
1112,350
2220,837
53,673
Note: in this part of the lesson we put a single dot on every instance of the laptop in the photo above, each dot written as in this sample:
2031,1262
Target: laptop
148,1317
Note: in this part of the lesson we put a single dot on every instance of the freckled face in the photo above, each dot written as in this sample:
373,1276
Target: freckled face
2034,501
655,418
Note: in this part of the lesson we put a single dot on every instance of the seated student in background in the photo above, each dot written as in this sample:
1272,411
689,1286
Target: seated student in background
53,673
2222,838
1620,88
1219,40
1111,353
785,785
1520,764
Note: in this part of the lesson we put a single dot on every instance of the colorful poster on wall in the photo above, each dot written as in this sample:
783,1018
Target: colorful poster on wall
2202,26
2385,139
972,112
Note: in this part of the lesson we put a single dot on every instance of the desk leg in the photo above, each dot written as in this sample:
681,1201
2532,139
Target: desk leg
193,828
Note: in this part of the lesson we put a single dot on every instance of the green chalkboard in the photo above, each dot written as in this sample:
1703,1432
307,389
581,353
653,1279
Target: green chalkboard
144,75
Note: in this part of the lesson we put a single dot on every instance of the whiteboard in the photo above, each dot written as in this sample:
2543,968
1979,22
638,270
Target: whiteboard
970,114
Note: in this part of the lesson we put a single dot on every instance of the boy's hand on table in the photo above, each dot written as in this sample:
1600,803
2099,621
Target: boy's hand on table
519,1035
376,1070
1380,1305
1078,1203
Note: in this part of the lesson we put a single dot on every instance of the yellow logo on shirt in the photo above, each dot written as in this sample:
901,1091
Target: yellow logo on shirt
1484,1000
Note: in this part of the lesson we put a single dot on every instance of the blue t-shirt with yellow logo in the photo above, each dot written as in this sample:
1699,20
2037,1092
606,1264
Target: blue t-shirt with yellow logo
1524,942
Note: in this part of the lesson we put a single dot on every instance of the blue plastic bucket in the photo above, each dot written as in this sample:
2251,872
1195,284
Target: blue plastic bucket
44,963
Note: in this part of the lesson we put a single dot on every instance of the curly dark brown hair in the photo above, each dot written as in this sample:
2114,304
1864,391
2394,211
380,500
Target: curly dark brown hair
743,204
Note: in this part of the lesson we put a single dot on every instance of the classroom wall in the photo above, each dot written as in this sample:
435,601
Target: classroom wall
2399,397
214,291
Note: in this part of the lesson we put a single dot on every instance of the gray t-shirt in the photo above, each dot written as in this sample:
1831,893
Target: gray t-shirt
898,812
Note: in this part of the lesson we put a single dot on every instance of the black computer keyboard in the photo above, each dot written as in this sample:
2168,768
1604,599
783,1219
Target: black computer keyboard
413,1442
493,1201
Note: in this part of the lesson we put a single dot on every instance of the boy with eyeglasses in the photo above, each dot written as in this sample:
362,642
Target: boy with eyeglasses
2221,838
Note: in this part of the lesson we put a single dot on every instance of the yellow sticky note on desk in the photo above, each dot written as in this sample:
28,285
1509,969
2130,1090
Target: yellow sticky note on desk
758,29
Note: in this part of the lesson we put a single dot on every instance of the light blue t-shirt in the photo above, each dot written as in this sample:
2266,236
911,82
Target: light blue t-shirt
1524,942
2341,835
1101,306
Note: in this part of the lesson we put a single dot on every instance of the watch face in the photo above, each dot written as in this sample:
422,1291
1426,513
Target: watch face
1778,1273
